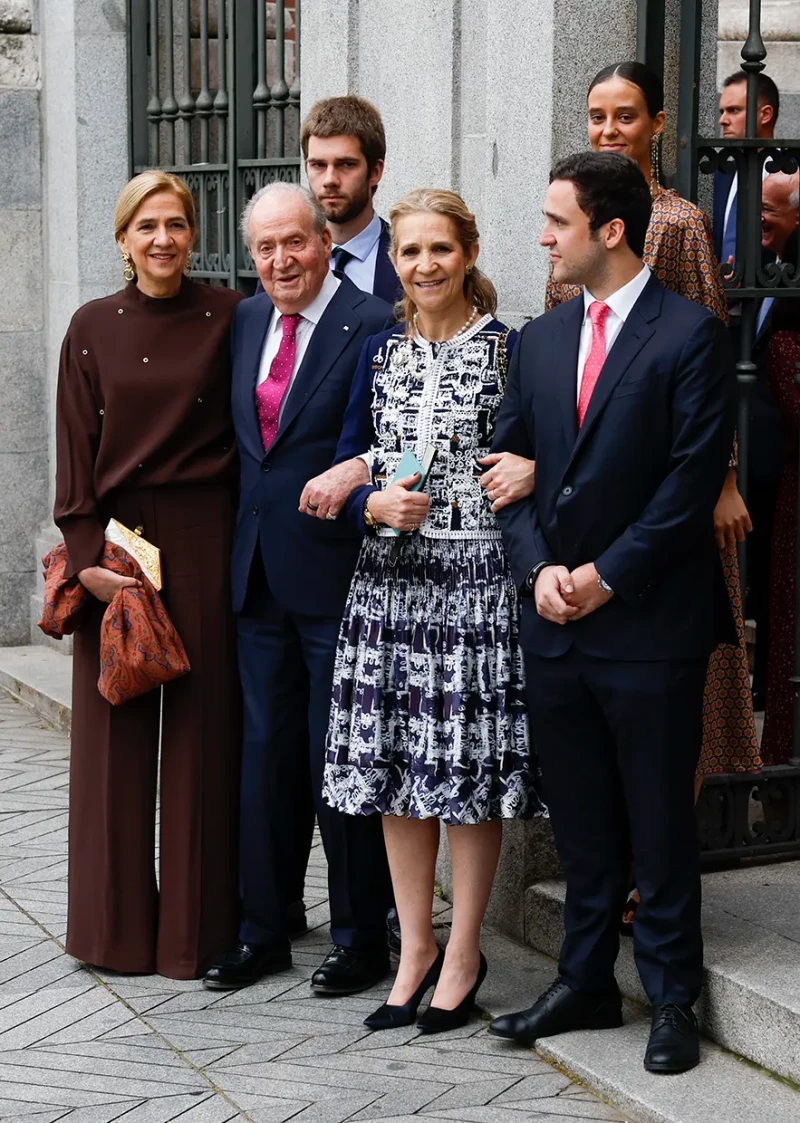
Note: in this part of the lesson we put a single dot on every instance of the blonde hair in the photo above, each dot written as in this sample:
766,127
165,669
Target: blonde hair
141,187
478,289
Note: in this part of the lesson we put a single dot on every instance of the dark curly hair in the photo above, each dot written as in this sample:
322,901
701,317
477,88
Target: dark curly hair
609,185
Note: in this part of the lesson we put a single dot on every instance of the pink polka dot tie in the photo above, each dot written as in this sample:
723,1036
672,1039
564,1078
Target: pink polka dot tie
598,314
272,390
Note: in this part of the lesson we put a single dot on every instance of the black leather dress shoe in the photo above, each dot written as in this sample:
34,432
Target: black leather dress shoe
244,965
560,1010
674,1044
393,931
350,970
296,916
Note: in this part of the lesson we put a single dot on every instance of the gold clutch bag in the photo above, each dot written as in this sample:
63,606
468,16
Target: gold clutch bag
145,553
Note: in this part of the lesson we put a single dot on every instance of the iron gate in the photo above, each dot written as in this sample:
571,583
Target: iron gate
214,91
739,815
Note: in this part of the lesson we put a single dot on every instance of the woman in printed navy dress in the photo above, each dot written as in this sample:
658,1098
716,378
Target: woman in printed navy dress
428,720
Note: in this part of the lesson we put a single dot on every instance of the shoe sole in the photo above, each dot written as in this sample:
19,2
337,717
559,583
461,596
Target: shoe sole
529,1041
214,984
342,992
670,1070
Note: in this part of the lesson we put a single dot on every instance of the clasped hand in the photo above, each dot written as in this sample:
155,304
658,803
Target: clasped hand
508,478
104,584
562,596
398,507
325,495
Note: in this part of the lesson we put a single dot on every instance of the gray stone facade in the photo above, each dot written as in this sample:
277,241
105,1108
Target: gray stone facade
23,419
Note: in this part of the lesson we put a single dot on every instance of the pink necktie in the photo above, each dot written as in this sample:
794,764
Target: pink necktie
272,390
598,313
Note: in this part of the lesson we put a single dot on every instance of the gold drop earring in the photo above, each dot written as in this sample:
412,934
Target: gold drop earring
656,182
128,272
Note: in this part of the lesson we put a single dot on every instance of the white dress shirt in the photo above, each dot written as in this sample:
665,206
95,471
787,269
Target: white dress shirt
620,302
734,192
310,317
364,248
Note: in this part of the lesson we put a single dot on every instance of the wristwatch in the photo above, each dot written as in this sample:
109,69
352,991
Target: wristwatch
604,585
369,519
530,580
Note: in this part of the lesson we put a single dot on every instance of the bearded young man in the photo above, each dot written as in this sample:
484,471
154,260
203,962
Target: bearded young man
344,146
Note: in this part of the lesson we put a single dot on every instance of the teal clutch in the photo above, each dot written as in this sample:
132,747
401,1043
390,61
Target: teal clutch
409,464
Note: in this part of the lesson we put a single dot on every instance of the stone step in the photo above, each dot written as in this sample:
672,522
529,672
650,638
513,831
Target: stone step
751,929
40,678
722,1089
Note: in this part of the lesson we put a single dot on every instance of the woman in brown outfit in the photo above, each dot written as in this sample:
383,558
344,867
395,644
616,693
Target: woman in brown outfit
144,435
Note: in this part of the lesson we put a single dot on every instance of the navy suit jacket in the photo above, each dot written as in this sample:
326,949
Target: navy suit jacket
308,562
634,491
387,284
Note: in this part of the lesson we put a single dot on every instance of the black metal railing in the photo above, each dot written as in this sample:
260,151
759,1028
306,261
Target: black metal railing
741,815
214,91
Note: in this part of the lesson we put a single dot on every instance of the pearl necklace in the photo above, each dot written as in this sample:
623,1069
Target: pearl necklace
453,338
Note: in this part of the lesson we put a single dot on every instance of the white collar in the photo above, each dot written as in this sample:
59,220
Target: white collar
622,301
313,311
363,244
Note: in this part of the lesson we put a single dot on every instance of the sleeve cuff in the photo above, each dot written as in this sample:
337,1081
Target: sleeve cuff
85,544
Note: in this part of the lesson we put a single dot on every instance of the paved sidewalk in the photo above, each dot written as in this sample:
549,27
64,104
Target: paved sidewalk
87,1047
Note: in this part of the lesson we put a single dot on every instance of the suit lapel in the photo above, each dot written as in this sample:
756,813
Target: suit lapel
632,337
385,282
565,375
337,326
252,348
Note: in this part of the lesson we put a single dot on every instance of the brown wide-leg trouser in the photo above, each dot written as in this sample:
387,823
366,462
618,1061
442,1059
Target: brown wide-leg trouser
117,917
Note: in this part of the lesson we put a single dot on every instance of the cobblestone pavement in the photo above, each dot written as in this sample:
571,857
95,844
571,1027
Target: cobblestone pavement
82,1046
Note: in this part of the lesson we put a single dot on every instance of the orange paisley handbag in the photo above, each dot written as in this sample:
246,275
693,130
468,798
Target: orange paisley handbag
140,648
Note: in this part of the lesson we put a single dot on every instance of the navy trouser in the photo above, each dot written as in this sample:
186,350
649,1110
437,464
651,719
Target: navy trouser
618,744
286,665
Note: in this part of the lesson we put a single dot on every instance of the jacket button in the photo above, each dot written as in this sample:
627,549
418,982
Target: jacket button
255,510
566,490
265,467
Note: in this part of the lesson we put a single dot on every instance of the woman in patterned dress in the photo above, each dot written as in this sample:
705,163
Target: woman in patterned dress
428,721
626,114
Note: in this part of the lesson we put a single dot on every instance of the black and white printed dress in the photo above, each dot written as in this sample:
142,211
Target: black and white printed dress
428,715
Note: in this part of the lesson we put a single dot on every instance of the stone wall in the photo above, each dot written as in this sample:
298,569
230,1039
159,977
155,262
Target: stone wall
84,127
23,417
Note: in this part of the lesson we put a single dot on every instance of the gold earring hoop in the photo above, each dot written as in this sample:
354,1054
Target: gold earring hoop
128,272
656,180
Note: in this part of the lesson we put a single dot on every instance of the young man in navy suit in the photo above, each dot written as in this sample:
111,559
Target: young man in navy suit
295,348
624,397
344,146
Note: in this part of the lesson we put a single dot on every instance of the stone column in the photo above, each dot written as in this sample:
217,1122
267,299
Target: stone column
23,421
85,164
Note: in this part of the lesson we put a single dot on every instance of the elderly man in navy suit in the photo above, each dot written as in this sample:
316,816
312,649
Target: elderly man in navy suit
295,348
623,396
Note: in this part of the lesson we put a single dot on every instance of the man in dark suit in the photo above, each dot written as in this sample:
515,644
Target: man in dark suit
344,147
623,396
295,348
732,123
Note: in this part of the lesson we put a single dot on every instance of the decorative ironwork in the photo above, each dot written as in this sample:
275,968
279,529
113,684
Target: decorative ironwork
743,816
227,139
738,815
